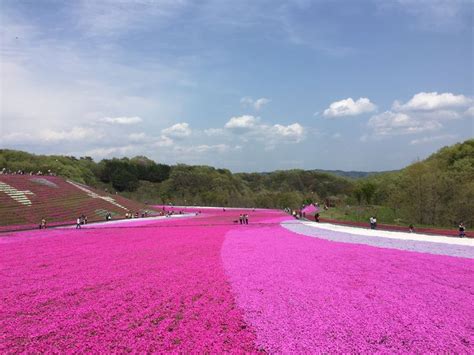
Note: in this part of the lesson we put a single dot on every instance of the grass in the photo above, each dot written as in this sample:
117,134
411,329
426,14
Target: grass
362,214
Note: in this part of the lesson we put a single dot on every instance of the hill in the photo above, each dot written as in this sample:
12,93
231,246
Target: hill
437,191
26,199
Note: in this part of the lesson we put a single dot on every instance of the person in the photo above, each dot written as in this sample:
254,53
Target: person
411,228
43,223
78,223
316,217
372,222
241,218
375,222
246,219
462,230
85,219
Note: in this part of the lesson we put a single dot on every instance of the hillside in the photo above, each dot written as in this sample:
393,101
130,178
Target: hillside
437,191
26,199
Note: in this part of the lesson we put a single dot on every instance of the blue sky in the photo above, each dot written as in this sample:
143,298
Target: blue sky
245,85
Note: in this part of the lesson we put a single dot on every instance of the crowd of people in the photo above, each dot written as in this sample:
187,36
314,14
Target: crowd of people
5,171
243,219
130,214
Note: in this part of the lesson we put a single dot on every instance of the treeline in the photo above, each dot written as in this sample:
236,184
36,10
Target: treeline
436,191
143,179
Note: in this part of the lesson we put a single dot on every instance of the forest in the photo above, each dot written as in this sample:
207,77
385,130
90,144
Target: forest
437,191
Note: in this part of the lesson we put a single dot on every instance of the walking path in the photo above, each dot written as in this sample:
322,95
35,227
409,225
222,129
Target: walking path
423,243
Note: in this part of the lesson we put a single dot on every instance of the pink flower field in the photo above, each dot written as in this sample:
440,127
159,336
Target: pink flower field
206,284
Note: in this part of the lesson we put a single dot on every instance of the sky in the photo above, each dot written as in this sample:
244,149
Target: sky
247,85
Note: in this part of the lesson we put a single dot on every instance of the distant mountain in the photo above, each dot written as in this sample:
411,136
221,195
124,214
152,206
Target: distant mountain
353,174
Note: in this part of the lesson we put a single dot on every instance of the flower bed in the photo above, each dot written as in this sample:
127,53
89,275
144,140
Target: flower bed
159,288
205,284
28,199
305,295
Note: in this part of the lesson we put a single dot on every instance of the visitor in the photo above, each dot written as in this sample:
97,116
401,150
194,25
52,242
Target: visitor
462,230
246,218
78,223
316,217
372,223
411,228
375,222
241,218
85,219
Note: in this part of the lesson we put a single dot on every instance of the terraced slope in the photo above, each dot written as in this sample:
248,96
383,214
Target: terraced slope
25,200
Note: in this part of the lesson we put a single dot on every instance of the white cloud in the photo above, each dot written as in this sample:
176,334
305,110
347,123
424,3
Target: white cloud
51,136
469,112
248,128
257,104
396,123
199,149
137,137
178,130
349,107
100,153
242,123
163,141
431,101
246,101
433,139
425,111
293,132
122,120
203,148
